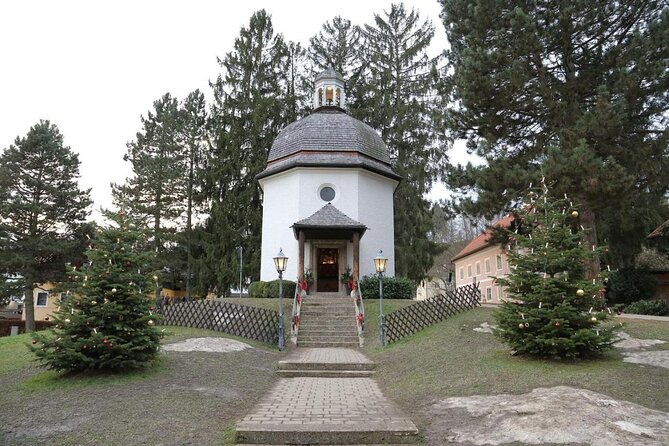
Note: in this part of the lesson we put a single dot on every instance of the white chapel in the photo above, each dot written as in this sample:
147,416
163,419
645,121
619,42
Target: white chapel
327,194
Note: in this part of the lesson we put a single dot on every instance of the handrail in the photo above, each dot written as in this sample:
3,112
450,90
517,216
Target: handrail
359,311
295,314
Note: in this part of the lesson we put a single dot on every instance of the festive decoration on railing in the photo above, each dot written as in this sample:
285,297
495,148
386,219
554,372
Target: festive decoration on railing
552,309
104,320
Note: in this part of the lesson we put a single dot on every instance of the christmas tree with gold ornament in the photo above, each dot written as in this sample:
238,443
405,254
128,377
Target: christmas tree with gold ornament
105,320
553,308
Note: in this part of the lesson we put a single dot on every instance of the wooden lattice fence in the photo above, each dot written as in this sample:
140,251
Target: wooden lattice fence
239,320
411,319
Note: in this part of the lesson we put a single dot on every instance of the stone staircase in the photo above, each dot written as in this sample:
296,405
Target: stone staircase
327,322
326,395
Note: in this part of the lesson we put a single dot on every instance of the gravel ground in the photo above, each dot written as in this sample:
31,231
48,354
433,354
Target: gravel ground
191,399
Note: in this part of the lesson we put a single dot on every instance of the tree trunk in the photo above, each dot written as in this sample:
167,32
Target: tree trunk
29,309
588,222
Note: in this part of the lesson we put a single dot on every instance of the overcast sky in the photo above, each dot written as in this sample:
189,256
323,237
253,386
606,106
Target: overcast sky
93,67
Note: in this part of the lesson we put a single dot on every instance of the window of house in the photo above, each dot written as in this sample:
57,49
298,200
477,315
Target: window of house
338,97
499,262
462,273
469,270
41,299
487,265
329,95
488,294
320,96
478,268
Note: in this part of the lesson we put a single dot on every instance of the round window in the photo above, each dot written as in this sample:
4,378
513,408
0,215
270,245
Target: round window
327,193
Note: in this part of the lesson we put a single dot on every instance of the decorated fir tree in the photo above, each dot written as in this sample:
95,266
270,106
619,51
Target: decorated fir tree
105,322
553,310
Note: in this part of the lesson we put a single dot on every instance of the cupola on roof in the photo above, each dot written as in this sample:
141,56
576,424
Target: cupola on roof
329,137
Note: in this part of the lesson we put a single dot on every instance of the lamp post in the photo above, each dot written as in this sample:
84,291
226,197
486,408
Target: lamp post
380,265
280,262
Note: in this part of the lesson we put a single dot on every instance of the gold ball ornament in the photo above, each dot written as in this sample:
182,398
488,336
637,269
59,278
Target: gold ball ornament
574,214
94,302
580,292
593,319
150,322
67,321
521,325
113,290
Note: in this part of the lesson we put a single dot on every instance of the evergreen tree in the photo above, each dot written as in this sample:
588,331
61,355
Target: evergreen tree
553,310
105,323
41,207
249,110
339,45
398,100
195,139
155,192
575,91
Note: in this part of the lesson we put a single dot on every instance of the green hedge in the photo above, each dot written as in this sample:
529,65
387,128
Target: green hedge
393,287
269,290
650,307
257,289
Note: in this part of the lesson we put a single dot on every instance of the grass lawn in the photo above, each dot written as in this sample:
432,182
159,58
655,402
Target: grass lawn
184,398
196,397
450,359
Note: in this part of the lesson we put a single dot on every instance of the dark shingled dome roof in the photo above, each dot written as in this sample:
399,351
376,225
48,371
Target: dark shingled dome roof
329,73
329,129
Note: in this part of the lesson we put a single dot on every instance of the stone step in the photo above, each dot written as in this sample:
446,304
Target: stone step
290,373
324,331
300,365
333,338
356,435
328,311
325,344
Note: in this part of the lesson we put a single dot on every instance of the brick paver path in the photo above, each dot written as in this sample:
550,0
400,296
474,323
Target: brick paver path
342,404
306,408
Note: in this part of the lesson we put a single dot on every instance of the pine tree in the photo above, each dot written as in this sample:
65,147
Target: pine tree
398,100
195,139
249,110
553,310
41,208
155,192
575,91
105,322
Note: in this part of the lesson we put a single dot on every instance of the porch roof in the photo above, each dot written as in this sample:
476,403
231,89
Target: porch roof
328,222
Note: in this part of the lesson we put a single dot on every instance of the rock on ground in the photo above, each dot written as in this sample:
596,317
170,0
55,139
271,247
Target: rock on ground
215,345
546,415
627,342
485,328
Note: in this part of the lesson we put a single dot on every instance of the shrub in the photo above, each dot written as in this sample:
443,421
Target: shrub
271,289
650,307
257,289
629,285
393,287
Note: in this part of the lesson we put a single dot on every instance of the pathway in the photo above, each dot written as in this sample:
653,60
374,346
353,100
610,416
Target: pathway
325,405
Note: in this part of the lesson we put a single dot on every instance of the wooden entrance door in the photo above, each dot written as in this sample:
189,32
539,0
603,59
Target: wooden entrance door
328,270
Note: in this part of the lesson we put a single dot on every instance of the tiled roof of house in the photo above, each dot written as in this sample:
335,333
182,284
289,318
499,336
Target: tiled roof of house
660,230
483,240
329,129
329,217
